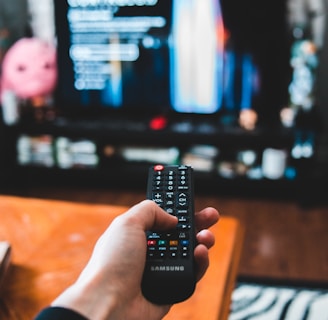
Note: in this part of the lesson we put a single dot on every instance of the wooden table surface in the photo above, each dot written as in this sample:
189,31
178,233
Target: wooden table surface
52,241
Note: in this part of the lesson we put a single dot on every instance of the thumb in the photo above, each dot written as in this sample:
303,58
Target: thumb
151,217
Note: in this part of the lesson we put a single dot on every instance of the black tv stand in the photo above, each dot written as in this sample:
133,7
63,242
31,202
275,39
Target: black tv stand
116,140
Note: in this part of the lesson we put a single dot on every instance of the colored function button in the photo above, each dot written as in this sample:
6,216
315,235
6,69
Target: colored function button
174,242
151,243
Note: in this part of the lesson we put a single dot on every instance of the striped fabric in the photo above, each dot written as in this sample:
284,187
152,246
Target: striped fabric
261,302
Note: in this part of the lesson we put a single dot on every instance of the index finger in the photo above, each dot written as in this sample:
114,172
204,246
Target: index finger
206,218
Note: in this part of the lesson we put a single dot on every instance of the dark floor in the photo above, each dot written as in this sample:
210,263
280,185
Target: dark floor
284,242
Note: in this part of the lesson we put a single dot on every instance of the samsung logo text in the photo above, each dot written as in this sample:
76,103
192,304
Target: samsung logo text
167,268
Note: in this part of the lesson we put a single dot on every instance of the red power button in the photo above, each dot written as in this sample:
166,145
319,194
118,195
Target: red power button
158,167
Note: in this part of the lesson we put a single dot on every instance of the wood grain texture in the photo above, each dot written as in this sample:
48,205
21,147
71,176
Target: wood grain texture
52,241
285,242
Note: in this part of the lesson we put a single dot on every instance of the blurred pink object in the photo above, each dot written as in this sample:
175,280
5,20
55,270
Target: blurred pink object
29,69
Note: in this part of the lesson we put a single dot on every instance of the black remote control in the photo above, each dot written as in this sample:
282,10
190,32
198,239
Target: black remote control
169,275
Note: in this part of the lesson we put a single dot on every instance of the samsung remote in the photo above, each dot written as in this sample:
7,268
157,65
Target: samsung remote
169,275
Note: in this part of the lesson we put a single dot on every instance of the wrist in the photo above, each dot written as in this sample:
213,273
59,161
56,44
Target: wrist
89,300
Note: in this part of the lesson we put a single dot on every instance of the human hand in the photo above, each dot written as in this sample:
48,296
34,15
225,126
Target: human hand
109,287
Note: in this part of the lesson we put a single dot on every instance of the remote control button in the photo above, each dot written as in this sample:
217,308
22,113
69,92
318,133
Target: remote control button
174,250
169,195
169,203
183,226
158,185
171,173
182,180
170,211
171,235
183,235
153,235
183,219
158,167
173,254
185,255
151,255
174,243
182,212
151,242
182,200
170,177
169,188
158,198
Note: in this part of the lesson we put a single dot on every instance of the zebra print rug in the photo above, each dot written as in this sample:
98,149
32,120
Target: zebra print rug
268,302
